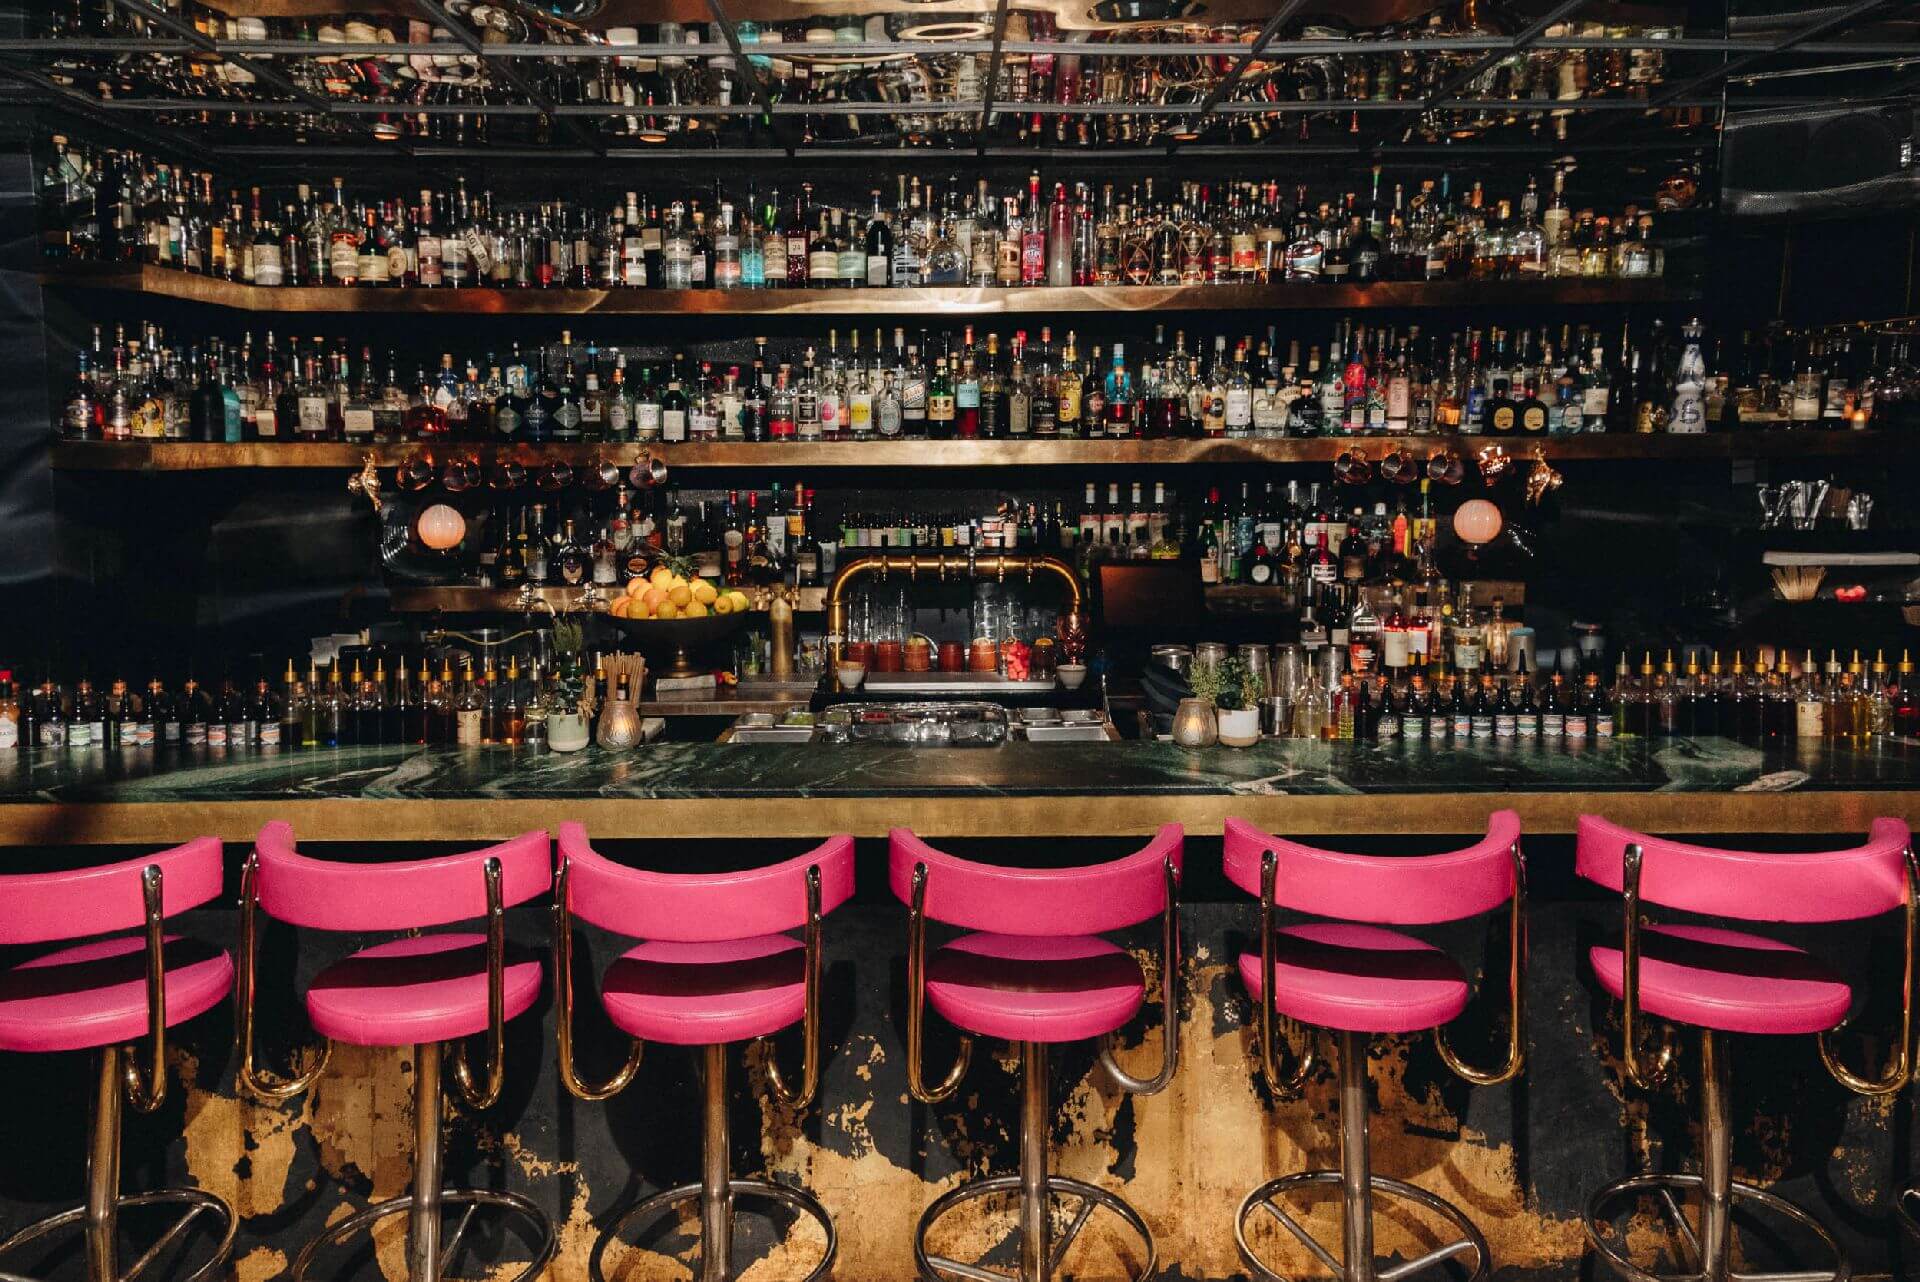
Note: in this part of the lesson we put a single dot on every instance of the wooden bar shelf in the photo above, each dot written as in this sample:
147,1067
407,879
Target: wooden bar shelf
195,456
936,301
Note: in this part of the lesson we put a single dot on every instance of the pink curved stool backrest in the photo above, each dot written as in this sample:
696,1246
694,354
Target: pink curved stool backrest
39,907
701,907
1386,890
1822,886
324,894
1086,900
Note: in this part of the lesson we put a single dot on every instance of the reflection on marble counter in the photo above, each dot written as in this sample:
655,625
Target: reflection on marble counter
1280,767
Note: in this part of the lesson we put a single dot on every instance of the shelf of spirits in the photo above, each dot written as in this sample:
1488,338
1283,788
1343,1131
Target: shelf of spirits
901,247
103,456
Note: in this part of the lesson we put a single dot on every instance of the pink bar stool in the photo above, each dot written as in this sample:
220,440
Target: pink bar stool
421,990
1035,972
103,995
1724,981
717,967
1354,976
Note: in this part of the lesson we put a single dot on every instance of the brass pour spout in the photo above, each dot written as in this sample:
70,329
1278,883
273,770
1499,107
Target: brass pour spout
996,564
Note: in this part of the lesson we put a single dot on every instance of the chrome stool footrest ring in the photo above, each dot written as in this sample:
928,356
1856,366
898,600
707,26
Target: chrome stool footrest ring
1262,1198
1663,1186
802,1202
197,1203
473,1199
1907,1208
935,1268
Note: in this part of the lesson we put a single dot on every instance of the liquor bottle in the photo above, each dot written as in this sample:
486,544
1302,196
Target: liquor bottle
879,258
1019,392
674,405
571,565
1119,394
1069,385
293,710
940,402
469,710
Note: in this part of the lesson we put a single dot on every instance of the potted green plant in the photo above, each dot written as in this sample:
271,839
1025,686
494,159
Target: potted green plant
1237,698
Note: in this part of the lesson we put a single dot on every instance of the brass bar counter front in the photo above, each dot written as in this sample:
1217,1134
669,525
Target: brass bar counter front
66,797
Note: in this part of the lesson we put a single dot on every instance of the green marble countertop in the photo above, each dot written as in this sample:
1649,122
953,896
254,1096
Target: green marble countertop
77,796
684,770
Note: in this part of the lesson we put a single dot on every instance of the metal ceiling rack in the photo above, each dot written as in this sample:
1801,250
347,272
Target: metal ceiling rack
436,12
23,60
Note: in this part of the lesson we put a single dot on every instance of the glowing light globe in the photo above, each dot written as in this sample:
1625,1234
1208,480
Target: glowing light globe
441,527
1477,521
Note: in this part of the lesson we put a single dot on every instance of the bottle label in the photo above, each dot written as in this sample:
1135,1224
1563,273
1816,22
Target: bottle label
940,407
1534,419
267,266
268,735
9,732
479,252
1603,725
358,422
823,266
1593,403
429,254
673,425
1501,419
1239,408
466,727
313,415
646,420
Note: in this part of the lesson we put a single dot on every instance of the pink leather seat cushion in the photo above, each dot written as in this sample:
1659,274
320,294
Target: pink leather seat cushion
709,992
1361,979
1711,977
95,994
1034,988
430,988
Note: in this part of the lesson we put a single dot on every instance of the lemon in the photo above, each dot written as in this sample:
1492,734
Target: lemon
667,611
695,610
739,599
680,594
704,592
723,605
660,575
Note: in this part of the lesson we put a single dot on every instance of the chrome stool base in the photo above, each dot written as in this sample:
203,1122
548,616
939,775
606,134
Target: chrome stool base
803,1203
1040,1256
716,1193
938,1268
427,1256
472,1199
99,1218
197,1204
1709,1249
1358,1185
1664,1188
1263,1198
